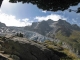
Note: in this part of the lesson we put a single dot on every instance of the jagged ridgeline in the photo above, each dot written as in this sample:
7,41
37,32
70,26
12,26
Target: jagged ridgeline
62,30
60,35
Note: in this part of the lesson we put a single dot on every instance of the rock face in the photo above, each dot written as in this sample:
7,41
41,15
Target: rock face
43,28
76,27
51,27
2,58
40,27
2,25
27,50
38,31
41,31
49,21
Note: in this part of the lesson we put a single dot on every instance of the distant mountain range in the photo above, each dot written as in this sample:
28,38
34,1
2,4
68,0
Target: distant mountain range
58,31
51,27
41,30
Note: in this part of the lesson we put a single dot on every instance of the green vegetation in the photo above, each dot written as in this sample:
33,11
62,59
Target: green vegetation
26,51
73,40
16,49
63,53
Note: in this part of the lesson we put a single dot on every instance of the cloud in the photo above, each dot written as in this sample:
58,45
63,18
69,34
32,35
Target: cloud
9,5
44,11
54,17
11,20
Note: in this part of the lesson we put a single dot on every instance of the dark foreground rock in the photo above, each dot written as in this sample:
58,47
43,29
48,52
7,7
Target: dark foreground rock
22,49
2,58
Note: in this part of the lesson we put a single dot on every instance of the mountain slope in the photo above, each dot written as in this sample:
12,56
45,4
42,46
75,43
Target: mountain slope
2,25
73,40
40,27
23,49
51,27
60,32
18,48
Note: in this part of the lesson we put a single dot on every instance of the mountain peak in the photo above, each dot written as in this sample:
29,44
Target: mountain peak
49,21
61,21
2,25
75,27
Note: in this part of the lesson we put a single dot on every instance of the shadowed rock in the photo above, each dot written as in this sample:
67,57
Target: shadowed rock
27,50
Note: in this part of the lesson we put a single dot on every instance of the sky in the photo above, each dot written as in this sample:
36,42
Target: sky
18,14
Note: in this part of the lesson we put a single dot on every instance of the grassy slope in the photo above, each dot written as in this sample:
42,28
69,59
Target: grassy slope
63,53
73,40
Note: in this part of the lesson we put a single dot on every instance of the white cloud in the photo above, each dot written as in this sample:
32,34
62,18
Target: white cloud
54,17
7,4
44,11
11,20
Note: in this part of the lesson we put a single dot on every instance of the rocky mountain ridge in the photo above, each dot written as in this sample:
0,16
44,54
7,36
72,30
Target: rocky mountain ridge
41,31
51,27
17,48
54,31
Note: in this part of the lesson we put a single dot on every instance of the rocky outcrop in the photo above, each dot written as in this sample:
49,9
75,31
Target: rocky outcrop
2,25
52,27
75,27
2,58
24,49
40,27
